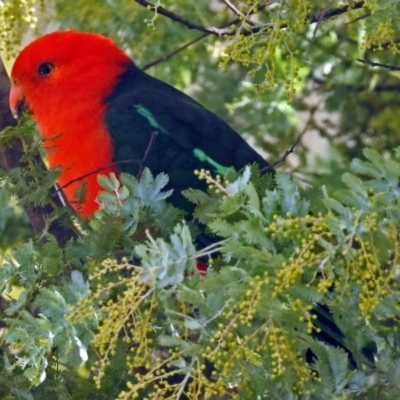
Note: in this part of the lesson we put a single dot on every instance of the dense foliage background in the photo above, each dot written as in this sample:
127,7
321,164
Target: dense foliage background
118,312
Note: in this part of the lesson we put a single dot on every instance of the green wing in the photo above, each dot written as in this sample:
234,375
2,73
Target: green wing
155,125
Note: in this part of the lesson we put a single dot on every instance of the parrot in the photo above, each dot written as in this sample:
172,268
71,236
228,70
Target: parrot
98,113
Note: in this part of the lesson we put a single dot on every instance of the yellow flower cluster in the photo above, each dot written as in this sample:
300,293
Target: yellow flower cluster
16,16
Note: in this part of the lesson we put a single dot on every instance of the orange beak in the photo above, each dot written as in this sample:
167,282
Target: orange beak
17,100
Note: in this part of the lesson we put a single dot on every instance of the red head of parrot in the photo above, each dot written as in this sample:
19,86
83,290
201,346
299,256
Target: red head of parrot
63,78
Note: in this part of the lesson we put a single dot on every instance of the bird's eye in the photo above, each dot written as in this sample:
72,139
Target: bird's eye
45,69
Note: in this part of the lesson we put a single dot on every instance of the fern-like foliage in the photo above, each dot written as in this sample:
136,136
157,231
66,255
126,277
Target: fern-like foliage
299,300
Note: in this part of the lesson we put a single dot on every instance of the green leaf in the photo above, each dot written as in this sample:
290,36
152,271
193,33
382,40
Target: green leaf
110,183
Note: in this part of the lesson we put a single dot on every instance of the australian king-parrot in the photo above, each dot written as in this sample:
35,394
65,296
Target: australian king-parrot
99,113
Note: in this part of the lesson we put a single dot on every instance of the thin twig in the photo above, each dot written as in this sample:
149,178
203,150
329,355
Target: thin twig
290,150
366,15
198,39
328,3
147,152
96,171
380,65
212,30
175,52
334,12
114,164
178,18
238,12
381,87
182,384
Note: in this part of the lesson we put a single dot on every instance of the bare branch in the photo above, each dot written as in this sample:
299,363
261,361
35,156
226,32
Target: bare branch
316,28
380,65
380,87
290,150
311,18
334,12
141,164
153,138
96,171
175,52
177,18
238,13
188,44
366,15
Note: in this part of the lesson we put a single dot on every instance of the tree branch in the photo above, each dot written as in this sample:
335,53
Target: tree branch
175,52
334,12
141,163
316,28
10,158
177,18
281,159
186,45
380,65
238,13
381,87
211,30
290,150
